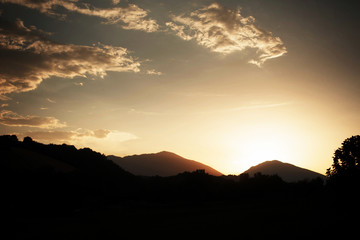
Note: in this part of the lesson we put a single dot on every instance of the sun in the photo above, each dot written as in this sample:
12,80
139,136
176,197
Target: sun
258,146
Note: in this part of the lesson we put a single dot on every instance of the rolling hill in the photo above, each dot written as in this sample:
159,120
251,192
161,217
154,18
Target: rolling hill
287,171
44,179
30,156
161,164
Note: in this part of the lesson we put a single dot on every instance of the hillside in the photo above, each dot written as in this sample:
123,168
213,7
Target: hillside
31,156
50,179
161,164
288,172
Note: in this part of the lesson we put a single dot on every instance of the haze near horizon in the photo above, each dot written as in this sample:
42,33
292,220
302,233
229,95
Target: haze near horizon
227,83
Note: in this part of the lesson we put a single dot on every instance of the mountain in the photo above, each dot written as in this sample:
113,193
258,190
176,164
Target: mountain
30,156
161,164
287,171
41,179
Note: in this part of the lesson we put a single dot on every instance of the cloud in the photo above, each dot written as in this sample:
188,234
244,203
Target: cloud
50,100
65,136
146,113
225,31
10,118
258,106
103,140
153,72
48,136
248,107
201,94
132,16
112,143
28,57
99,133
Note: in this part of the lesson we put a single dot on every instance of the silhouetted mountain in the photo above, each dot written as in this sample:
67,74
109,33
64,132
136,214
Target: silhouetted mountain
60,191
288,172
161,164
36,178
29,155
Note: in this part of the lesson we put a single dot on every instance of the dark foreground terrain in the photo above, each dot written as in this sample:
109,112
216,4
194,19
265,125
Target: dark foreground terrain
300,218
60,192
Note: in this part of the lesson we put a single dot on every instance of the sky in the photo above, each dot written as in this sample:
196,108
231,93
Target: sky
229,83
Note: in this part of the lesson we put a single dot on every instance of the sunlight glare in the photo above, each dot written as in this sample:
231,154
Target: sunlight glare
260,145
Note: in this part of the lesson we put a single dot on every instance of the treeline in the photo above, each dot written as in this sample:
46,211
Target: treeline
61,180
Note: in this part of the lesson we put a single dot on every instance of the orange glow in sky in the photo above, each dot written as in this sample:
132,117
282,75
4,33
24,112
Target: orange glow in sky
229,84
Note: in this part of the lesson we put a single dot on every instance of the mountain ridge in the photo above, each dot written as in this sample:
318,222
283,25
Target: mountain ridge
163,164
287,171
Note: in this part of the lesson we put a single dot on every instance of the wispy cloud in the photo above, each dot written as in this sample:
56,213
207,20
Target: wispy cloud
248,107
201,94
28,57
65,136
103,140
48,136
131,16
50,100
141,112
154,72
225,31
10,118
259,106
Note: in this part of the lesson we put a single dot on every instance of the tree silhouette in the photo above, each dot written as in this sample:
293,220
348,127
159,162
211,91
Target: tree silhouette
346,160
27,140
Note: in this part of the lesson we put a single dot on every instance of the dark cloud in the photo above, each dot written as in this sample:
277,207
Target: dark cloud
131,16
225,31
28,57
10,118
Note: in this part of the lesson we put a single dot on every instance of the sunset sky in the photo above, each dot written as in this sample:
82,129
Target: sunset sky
227,83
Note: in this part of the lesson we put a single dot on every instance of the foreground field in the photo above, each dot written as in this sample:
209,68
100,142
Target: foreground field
294,218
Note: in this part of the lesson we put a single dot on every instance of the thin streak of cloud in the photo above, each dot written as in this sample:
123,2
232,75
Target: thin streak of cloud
103,140
248,107
51,136
50,100
201,94
154,72
147,113
260,106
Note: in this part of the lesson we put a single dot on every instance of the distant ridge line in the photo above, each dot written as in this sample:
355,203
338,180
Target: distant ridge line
163,164
287,171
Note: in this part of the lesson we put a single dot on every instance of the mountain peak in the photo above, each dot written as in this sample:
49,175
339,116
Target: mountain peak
167,154
288,172
162,164
272,162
